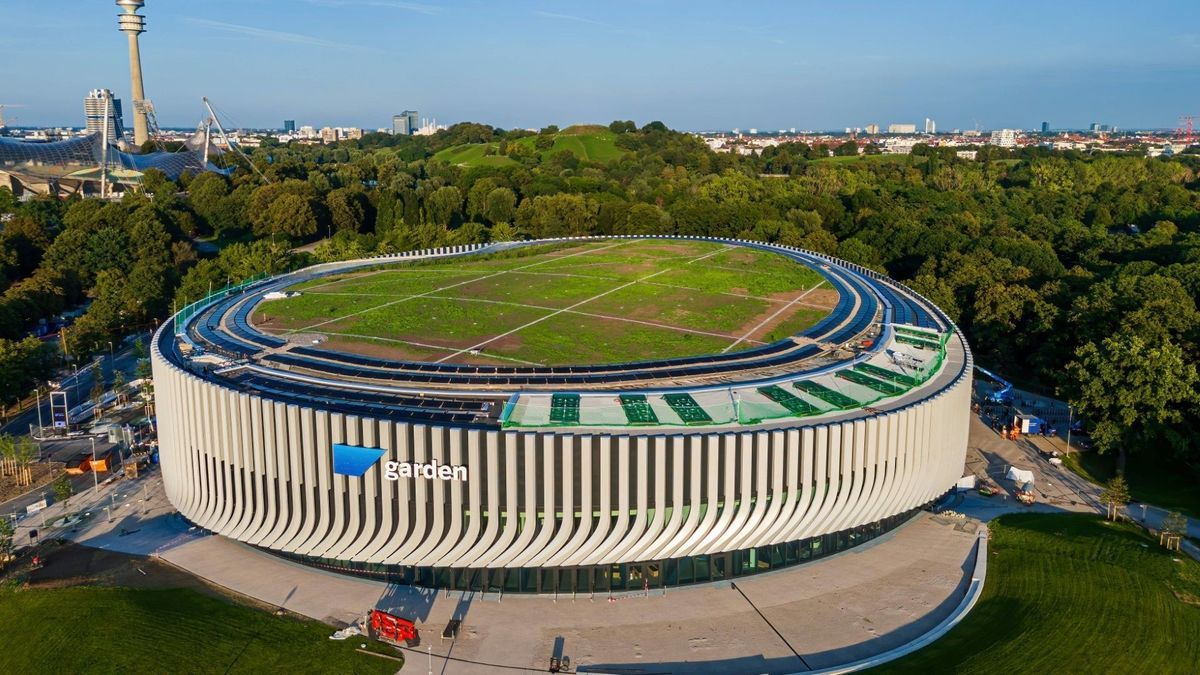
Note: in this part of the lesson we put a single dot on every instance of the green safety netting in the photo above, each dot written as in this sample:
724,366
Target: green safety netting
564,409
833,397
637,409
610,410
889,375
688,410
871,383
192,309
916,342
794,404
859,386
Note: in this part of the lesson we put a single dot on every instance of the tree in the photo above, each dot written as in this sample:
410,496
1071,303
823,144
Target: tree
1175,523
118,385
98,389
63,489
847,149
1134,390
477,197
347,209
647,219
500,205
291,215
25,451
1115,495
443,205
505,232
23,363
6,539
557,215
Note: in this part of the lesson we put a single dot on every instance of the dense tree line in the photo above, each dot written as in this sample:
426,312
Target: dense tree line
1072,273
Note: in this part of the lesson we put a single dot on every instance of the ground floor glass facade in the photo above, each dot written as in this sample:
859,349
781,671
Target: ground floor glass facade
616,578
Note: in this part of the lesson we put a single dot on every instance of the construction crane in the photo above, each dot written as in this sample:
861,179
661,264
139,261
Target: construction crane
1002,389
3,106
1186,130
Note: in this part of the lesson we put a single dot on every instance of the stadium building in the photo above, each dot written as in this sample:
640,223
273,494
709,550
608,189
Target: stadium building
77,166
477,471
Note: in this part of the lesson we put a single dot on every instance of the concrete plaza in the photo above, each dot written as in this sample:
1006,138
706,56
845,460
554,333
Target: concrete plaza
836,610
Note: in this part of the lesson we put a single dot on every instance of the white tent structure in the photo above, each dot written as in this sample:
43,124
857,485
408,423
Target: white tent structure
1019,476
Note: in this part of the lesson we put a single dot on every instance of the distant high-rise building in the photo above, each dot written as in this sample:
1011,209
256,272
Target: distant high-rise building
902,128
93,108
1045,127
289,126
406,123
930,126
330,135
1004,138
352,133
1096,127
872,129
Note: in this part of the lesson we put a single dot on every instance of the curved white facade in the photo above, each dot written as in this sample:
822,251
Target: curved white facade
260,471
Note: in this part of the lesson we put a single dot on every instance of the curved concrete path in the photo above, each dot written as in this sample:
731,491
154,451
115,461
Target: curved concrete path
839,610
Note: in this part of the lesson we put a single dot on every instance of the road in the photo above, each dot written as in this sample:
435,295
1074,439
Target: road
61,451
78,389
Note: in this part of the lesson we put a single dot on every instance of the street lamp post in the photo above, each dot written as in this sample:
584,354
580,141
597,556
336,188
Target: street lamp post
95,479
1070,422
38,391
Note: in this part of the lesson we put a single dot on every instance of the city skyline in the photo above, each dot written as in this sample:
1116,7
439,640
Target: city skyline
809,67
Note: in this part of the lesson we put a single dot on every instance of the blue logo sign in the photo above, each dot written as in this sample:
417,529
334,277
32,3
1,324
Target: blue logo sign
354,460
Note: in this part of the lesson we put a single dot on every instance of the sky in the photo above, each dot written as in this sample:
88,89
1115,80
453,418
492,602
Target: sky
695,65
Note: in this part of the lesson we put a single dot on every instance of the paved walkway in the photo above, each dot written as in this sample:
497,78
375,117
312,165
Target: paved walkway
1057,488
850,606
833,611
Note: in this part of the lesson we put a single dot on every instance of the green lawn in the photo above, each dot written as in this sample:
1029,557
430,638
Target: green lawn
694,293
1171,487
803,318
101,630
471,154
595,144
1071,593
571,338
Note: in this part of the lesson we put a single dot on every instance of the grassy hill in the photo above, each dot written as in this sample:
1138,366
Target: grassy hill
590,142
1071,593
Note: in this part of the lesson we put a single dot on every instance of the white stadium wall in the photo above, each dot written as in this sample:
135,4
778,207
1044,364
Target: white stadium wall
260,472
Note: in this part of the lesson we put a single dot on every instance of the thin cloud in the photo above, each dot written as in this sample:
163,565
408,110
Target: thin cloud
428,10
572,17
271,35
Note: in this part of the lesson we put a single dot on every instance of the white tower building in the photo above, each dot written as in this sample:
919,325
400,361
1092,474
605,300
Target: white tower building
133,24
